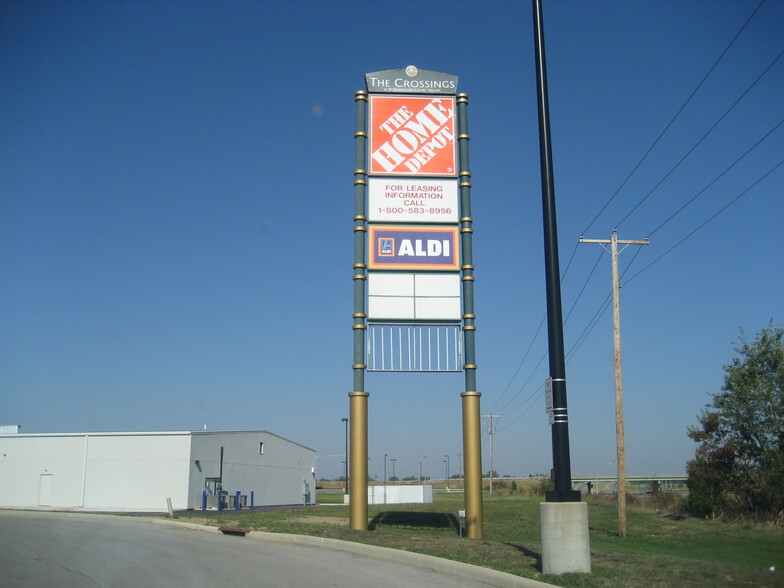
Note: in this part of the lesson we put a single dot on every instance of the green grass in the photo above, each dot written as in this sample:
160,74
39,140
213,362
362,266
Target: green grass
329,498
661,549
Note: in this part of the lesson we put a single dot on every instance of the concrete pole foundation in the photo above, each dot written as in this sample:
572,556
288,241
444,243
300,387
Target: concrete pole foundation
565,542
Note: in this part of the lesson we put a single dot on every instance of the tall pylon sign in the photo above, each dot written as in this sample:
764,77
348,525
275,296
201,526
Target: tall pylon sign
413,264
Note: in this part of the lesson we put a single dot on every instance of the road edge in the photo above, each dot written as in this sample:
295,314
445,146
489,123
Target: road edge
438,564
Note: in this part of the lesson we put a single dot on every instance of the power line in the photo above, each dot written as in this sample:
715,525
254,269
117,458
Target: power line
722,209
714,180
520,365
524,384
591,324
585,285
605,303
533,340
677,114
535,394
708,132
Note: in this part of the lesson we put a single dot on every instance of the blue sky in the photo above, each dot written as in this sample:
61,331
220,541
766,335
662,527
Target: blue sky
176,203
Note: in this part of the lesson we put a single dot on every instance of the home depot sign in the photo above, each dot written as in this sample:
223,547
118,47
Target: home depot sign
412,135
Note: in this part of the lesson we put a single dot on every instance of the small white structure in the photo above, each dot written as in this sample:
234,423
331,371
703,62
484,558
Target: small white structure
140,471
422,494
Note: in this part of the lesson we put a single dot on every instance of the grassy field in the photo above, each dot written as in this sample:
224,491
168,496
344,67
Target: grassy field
662,549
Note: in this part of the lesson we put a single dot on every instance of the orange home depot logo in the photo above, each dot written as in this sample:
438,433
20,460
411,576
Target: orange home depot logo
412,135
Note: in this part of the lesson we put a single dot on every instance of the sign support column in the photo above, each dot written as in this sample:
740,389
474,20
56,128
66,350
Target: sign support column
472,439
358,398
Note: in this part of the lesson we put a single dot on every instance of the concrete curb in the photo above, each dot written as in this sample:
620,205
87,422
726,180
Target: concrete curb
445,566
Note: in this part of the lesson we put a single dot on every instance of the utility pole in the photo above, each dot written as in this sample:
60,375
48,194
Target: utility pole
619,433
491,430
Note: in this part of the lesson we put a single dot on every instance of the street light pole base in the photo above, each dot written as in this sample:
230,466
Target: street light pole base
565,542
562,496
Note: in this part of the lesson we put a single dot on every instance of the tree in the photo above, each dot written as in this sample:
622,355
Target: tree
738,469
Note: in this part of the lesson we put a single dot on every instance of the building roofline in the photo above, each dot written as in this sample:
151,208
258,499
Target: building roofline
94,434
265,431
148,434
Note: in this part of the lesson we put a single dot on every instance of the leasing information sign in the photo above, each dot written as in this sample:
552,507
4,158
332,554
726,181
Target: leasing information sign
416,201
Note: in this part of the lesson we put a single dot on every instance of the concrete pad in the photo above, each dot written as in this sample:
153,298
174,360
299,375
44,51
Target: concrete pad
565,541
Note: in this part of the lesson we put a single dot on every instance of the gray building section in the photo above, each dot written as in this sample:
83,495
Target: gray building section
277,470
141,471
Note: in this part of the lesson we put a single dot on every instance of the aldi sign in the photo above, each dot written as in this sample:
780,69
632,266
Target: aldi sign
412,135
413,248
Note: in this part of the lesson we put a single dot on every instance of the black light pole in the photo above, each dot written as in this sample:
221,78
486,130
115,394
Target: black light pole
562,474
345,467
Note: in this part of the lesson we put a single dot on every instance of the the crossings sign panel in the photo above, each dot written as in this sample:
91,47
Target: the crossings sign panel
412,135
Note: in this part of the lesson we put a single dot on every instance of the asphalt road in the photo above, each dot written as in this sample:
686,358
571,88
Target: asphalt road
76,550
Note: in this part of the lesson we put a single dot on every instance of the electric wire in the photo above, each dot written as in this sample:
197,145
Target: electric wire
534,395
677,114
530,346
585,285
605,304
589,327
714,180
722,209
520,365
598,314
522,387
572,351
704,136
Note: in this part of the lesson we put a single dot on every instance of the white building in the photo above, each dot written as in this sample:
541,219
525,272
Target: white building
140,471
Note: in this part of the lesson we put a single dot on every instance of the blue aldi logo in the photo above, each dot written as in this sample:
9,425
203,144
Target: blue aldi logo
414,247
386,246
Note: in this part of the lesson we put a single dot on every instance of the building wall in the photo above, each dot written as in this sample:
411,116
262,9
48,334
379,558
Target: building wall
283,472
139,471
96,471
52,466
